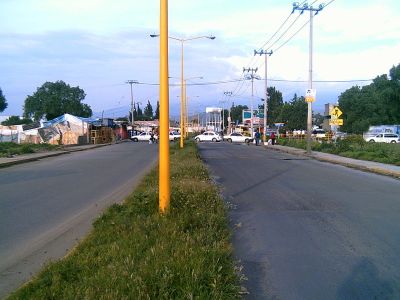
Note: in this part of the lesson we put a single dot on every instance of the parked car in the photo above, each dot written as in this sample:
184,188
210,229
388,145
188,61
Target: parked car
174,135
236,137
318,133
384,138
209,136
339,134
143,137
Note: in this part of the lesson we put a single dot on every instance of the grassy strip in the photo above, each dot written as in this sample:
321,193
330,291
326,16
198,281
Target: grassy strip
8,148
134,253
353,147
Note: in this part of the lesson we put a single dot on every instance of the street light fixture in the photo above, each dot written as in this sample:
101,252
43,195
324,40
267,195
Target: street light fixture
182,41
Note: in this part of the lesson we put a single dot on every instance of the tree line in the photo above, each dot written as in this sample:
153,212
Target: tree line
375,104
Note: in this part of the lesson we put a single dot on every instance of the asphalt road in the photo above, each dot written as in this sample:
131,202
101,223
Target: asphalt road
48,205
305,229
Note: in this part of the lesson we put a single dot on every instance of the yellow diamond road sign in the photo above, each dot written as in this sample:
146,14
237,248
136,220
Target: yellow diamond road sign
336,112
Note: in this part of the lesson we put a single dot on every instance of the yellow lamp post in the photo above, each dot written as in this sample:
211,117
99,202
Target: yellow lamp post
182,41
164,164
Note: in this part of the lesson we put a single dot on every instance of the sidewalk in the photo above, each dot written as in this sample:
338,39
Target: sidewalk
364,165
19,159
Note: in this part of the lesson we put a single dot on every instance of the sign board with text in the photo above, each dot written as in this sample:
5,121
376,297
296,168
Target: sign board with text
310,95
258,116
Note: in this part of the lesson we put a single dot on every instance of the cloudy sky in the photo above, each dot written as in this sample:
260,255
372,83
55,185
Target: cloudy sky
99,44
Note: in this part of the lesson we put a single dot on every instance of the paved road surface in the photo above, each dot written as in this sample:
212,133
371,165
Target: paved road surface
45,206
306,229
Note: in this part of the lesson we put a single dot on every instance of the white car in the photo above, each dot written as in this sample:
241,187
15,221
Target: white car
236,137
143,137
209,136
384,138
174,136
318,133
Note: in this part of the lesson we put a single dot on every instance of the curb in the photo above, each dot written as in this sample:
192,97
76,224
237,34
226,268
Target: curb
18,161
333,160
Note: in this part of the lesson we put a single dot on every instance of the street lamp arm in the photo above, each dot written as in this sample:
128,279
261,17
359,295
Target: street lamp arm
184,40
199,37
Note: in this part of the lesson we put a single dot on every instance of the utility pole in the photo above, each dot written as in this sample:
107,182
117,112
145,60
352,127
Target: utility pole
131,82
311,9
229,93
251,76
266,53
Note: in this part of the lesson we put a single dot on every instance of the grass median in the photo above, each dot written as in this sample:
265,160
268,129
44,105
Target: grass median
353,147
8,149
135,253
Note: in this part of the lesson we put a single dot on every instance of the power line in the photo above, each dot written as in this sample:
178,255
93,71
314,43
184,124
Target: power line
287,29
288,40
276,32
329,3
246,80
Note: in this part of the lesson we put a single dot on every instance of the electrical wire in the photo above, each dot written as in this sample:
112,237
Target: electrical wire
248,81
287,29
288,40
329,3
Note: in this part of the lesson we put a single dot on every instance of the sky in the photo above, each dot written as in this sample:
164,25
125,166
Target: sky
100,44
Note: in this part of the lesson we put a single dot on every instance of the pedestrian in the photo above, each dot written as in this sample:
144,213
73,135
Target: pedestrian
273,138
151,138
257,136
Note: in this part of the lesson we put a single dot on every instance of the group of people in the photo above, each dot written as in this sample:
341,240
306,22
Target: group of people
271,141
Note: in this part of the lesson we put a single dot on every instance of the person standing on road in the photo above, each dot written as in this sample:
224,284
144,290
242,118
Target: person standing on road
257,136
273,138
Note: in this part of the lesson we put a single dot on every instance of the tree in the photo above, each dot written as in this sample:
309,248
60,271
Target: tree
318,119
138,113
3,101
53,99
16,120
275,103
375,104
148,111
236,113
294,113
157,112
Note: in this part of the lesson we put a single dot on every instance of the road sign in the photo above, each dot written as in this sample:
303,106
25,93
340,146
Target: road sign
336,112
310,95
336,122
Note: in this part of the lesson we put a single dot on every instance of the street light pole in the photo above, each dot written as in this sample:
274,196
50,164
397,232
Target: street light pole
164,160
182,41
310,85
181,123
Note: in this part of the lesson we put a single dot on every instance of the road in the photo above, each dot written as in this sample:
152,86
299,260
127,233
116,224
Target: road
46,206
304,229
